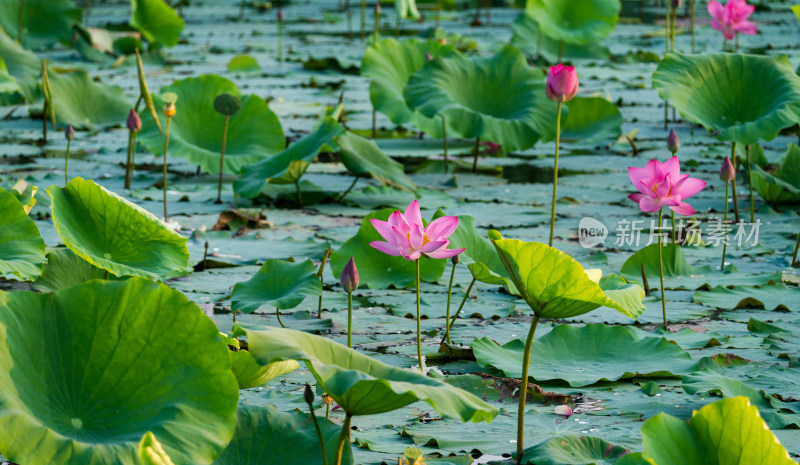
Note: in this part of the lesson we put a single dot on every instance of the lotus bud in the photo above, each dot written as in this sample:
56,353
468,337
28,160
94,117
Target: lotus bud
562,83
349,277
673,141
563,410
455,259
428,56
280,15
134,123
69,134
308,395
727,173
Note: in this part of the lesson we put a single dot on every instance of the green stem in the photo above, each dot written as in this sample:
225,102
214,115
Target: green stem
349,319
20,21
106,276
320,274
661,270
692,23
475,154
299,194
133,156
66,164
319,434
222,158
128,161
666,28
672,29
796,247
376,28
280,41
460,306
449,295
725,225
555,177
523,388
397,25
419,328
374,123
166,145
343,438
750,181
444,142
278,314
363,20
733,183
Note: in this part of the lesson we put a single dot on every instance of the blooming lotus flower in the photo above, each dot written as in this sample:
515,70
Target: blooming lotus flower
407,237
731,19
663,185
562,83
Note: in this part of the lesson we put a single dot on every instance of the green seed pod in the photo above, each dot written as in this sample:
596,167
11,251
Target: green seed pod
169,97
227,104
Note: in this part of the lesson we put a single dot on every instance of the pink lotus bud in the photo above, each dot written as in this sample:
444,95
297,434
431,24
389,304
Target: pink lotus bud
428,56
134,123
69,134
727,173
349,277
673,141
378,8
563,410
562,83
280,15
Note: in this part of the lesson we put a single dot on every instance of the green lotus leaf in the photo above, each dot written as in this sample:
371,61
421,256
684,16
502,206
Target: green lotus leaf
243,64
196,130
499,98
22,252
742,98
376,269
554,285
22,65
389,65
250,374
526,37
674,264
115,235
586,355
575,21
151,452
591,119
88,370
157,21
25,192
44,22
83,103
360,384
8,85
574,450
783,185
775,297
277,283
362,156
266,436
256,176
726,432
65,269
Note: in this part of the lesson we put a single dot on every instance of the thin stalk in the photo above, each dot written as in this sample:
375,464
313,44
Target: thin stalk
488,12
397,25
320,272
66,164
374,124
444,142
205,258
692,23
319,432
299,194
280,41
674,236
133,156
523,388
349,319
460,306
343,194
666,28
661,270
419,328
20,20
278,314
376,25
449,295
672,29
166,145
644,281
796,247
343,438
725,225
327,410
750,181
733,183
106,275
44,122
475,154
555,176
222,158
363,20
128,161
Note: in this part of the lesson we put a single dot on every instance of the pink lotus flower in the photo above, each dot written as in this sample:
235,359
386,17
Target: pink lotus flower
406,235
663,185
731,19
562,83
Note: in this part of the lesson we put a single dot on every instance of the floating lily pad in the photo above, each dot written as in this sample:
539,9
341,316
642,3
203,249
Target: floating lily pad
782,185
44,22
526,37
360,384
575,21
22,252
674,264
100,352
574,450
243,64
157,21
584,356
280,284
591,119
766,297
742,98
364,157
196,130
83,103
114,234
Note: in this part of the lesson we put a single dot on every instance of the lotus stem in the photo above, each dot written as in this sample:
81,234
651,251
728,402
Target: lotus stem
488,12
555,176
319,431
449,295
419,323
106,275
280,41
205,257
20,21
166,146
278,314
343,438
44,122
691,6
350,319
644,281
475,154
460,306
733,183
672,34
376,26
343,194
320,272
128,161
796,247
88,13
444,143
66,163
750,182
674,236
397,25
374,122
222,158
725,223
666,28
299,193
523,388
363,20
661,269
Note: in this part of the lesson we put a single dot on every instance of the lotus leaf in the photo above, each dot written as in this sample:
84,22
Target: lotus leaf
278,283
196,132
22,252
674,263
575,21
83,103
775,297
44,22
574,450
250,374
742,98
500,98
22,65
65,269
243,64
114,234
390,64
360,384
526,37
363,156
782,186
591,119
7,82
88,370
157,21
726,432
